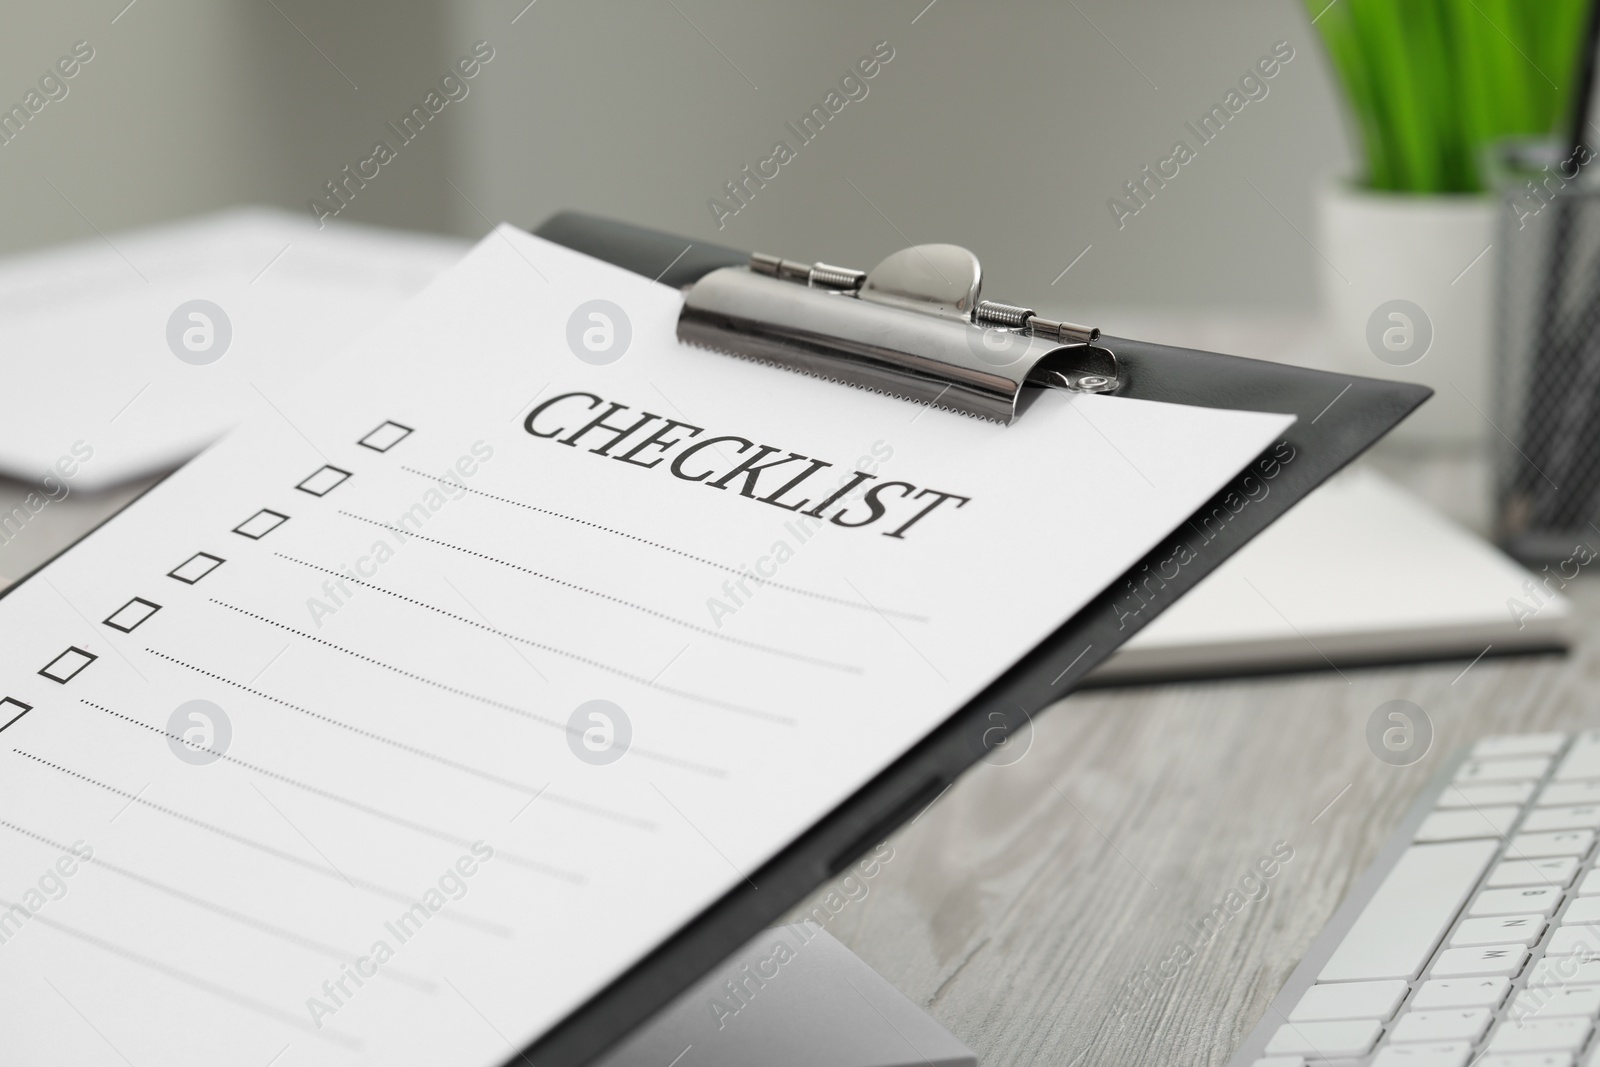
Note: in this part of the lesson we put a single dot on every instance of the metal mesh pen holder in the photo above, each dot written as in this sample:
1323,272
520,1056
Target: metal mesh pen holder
1547,451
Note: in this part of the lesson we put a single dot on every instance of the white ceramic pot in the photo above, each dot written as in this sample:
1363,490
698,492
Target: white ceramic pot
1408,292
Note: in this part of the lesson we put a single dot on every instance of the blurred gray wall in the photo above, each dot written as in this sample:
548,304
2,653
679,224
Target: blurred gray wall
194,105
1003,126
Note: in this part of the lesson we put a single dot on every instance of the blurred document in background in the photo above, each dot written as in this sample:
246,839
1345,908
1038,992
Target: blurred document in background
139,349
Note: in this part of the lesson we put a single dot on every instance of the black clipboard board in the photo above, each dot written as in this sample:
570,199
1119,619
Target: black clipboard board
1339,418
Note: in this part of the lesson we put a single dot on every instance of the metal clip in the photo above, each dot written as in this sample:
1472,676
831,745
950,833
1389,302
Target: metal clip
914,326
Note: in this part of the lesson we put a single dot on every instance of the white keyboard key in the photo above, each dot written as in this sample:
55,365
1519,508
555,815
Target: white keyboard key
1505,770
1560,843
1557,871
1325,1041
1583,758
1574,941
1552,1001
1527,1059
1458,824
1542,900
1565,1034
1462,993
1580,911
1591,885
1519,745
1453,1024
1481,959
1499,930
1397,930
1485,796
1565,971
1560,794
1349,1000
1580,817
1439,1054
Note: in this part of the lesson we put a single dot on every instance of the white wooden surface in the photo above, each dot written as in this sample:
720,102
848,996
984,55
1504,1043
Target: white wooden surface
1018,906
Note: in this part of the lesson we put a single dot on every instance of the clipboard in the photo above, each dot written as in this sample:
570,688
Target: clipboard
253,482
1339,418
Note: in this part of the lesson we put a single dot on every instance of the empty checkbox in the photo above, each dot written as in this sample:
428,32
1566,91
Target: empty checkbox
196,567
323,481
260,524
129,617
12,709
66,666
385,437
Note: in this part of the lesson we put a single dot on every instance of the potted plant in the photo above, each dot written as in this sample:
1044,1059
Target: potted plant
1407,242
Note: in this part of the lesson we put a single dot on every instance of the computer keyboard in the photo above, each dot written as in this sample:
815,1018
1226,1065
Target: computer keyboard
1474,938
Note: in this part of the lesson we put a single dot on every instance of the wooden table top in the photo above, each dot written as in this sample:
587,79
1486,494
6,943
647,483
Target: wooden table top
1034,909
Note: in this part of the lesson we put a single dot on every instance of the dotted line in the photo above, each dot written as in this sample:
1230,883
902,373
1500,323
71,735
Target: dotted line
803,658
593,525
289,857
701,768
768,716
398,670
757,579
376,813
391,742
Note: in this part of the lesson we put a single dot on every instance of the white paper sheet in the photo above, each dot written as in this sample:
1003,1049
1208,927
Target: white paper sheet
416,717
84,349
1265,608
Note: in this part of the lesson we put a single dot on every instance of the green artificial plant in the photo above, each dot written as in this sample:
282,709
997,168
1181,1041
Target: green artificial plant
1432,83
